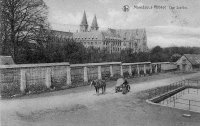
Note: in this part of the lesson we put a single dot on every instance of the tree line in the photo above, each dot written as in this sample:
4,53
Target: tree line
73,52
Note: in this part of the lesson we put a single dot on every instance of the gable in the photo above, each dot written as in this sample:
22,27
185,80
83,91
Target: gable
183,60
194,59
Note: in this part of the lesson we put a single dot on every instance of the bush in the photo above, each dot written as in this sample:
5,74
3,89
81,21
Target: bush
126,74
115,77
9,90
148,71
35,88
105,75
141,72
58,83
134,72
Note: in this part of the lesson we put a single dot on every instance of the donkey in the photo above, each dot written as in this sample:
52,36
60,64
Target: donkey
99,84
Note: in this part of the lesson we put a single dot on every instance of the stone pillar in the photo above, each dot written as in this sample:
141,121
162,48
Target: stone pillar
150,68
99,72
145,72
69,80
138,70
111,71
22,80
121,70
48,77
130,70
156,69
85,75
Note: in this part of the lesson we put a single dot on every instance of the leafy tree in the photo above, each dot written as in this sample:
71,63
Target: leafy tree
143,57
22,21
175,57
156,50
156,54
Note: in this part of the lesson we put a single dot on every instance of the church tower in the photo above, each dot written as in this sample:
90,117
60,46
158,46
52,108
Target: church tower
94,26
84,23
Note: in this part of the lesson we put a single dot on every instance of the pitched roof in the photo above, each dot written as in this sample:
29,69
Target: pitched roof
89,35
6,60
131,34
94,23
111,34
84,19
69,34
194,59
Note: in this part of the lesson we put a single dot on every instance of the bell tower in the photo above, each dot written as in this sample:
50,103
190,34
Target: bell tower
84,23
94,26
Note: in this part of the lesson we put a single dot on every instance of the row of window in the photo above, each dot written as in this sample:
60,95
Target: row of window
113,43
84,38
92,43
119,40
114,49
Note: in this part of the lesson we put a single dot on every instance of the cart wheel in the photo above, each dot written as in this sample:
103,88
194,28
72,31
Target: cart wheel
116,90
128,88
124,90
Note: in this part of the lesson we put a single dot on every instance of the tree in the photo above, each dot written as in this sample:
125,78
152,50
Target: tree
175,57
143,57
157,55
23,21
156,50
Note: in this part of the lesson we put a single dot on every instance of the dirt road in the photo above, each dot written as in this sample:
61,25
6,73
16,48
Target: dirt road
87,109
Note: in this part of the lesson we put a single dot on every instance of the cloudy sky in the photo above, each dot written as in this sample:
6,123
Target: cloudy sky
165,27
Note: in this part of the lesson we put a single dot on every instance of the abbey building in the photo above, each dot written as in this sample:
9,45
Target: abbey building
113,40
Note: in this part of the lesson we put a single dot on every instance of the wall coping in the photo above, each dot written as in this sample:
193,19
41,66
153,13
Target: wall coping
95,64
137,63
33,65
75,65
162,63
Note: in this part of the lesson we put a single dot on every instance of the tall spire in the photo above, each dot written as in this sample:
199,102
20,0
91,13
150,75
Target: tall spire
84,23
94,25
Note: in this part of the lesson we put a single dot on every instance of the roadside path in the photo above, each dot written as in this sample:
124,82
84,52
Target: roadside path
37,104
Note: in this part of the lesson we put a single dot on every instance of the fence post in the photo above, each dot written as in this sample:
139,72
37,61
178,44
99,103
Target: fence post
85,76
130,70
22,80
99,72
69,81
111,71
48,77
121,70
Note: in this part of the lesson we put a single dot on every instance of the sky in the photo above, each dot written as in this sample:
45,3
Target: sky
165,27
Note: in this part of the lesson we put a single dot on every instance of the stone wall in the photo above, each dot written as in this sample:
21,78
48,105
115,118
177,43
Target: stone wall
24,78
34,78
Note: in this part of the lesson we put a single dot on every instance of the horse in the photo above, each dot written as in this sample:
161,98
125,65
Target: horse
99,84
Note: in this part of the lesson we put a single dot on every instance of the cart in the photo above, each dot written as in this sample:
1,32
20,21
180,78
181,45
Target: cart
122,86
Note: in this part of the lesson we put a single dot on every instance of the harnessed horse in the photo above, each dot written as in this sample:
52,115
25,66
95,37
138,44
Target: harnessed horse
99,84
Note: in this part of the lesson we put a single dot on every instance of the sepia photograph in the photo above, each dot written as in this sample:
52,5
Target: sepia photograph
99,63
